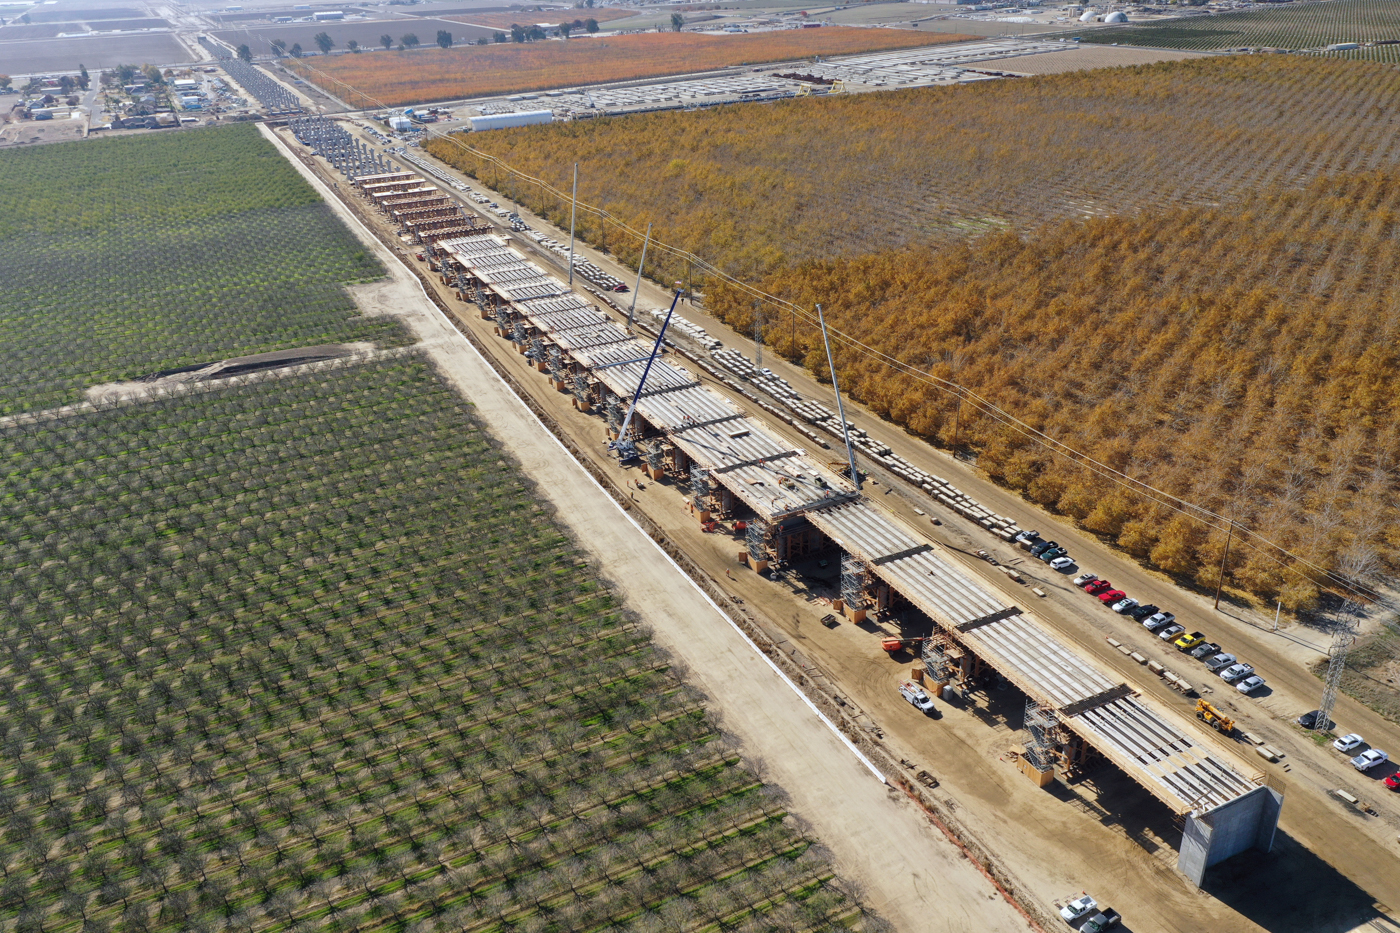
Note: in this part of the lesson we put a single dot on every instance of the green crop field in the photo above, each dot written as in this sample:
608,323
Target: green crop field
132,255
1295,26
306,653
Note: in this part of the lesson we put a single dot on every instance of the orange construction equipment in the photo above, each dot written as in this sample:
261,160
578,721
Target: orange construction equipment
1214,718
893,645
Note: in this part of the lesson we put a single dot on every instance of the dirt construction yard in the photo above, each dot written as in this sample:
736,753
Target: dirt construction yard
1333,868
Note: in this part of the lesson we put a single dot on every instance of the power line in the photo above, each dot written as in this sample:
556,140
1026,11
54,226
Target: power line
1308,570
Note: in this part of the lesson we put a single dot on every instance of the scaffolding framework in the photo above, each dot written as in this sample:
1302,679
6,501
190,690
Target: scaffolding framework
757,540
1046,736
935,655
583,391
700,487
855,579
612,409
558,369
654,455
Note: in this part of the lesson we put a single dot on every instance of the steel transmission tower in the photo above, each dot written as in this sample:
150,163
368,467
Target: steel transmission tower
1356,565
1341,644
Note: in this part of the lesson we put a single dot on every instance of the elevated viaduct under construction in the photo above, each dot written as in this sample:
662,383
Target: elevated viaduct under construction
794,507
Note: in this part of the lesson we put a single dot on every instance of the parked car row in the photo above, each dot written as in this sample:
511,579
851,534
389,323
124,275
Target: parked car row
1049,552
1164,625
1367,759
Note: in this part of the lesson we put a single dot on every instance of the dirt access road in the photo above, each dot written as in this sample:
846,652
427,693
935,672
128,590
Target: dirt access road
907,871
1349,857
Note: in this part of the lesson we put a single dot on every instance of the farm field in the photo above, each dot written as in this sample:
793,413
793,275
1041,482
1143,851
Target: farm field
1218,326
140,23
306,653
220,250
16,31
1313,25
33,56
471,71
66,14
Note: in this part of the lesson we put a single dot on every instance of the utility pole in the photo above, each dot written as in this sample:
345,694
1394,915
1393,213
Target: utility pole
840,409
957,424
632,311
573,214
757,336
1223,558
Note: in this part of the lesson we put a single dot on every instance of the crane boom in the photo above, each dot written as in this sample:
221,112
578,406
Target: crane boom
626,450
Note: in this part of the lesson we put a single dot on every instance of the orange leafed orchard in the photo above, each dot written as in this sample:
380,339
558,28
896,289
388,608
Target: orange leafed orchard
1243,358
394,78
750,187
1224,326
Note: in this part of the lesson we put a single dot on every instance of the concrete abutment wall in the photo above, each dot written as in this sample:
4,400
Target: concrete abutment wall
1247,822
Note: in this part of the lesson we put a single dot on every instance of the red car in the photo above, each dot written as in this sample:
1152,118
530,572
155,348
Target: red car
1111,596
1393,782
1097,587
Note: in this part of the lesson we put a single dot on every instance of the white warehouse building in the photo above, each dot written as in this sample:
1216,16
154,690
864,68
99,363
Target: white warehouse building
500,121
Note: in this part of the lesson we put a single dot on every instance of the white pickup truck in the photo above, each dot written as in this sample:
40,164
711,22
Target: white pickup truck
917,696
